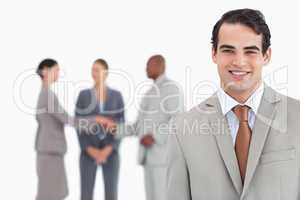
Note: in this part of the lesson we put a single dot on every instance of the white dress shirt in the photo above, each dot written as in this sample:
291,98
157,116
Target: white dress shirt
227,103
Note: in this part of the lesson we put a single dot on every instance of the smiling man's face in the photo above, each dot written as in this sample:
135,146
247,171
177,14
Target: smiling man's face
239,58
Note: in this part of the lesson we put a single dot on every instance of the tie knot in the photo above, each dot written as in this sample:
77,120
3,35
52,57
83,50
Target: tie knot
241,112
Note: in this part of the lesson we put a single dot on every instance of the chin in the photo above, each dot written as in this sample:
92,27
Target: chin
239,86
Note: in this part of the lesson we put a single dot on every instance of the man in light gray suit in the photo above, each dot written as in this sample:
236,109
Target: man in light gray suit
243,142
160,103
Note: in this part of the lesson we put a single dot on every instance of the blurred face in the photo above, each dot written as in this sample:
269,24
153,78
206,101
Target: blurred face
51,74
239,58
99,73
153,69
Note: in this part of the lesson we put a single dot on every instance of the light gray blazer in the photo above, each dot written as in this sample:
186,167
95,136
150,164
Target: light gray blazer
52,118
158,105
202,161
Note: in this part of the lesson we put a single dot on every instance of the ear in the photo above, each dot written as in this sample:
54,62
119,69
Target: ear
214,55
267,56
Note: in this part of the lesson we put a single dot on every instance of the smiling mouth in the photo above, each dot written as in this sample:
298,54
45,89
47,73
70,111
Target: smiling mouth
238,74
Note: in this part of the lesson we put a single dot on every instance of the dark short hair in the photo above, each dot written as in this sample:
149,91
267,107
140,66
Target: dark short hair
102,62
253,19
46,63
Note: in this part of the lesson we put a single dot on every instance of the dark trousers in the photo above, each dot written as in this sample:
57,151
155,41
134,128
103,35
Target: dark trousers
110,170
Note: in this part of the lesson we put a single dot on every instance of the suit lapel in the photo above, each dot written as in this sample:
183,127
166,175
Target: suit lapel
263,120
220,130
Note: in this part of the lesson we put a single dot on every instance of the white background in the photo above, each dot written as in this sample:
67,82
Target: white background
126,34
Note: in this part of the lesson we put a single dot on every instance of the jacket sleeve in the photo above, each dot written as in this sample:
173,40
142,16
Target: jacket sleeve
58,112
55,109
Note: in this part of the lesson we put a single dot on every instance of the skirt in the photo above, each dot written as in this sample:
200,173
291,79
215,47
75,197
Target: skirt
52,180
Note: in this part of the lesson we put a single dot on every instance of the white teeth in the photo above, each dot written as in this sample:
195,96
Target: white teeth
238,73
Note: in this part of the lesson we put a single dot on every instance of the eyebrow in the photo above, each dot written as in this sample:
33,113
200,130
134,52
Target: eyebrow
226,46
252,48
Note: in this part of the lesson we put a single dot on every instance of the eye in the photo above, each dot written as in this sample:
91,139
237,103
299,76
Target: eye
228,51
251,52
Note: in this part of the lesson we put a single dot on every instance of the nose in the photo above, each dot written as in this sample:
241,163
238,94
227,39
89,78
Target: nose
239,60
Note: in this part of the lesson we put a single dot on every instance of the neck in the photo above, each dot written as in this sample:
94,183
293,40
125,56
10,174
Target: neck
156,77
100,86
46,83
242,96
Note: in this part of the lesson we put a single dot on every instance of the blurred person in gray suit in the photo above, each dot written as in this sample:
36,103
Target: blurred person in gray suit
160,103
50,142
97,147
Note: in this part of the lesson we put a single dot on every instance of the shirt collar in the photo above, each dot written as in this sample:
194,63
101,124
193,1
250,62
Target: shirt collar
160,78
227,102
